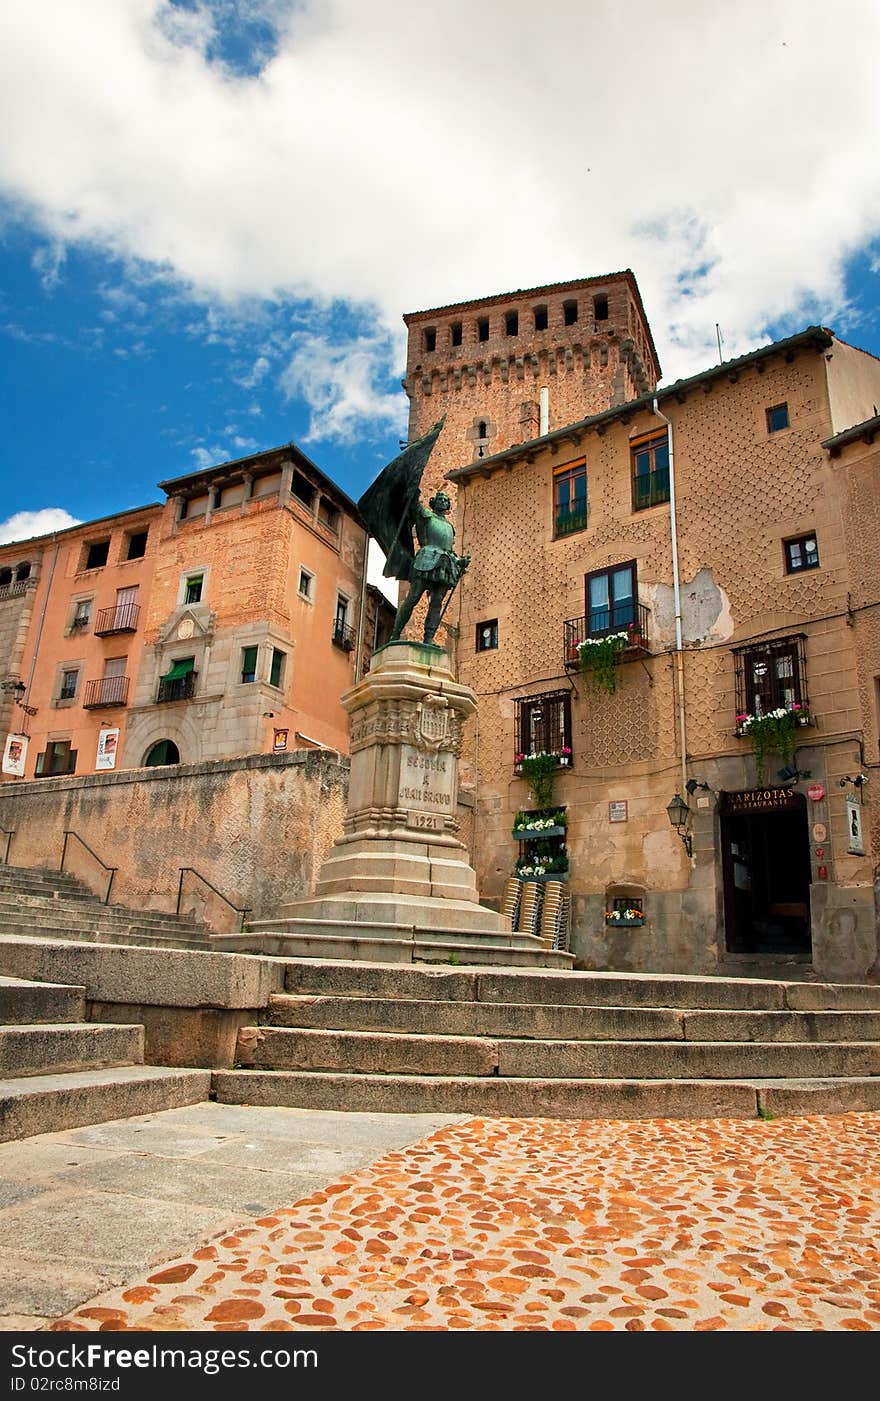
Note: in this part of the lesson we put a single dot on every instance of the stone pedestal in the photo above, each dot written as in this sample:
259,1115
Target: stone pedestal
399,860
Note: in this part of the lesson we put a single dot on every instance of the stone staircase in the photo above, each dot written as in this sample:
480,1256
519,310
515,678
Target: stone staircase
352,1036
54,905
60,1071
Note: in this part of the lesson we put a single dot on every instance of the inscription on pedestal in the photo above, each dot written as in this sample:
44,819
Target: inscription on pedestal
427,782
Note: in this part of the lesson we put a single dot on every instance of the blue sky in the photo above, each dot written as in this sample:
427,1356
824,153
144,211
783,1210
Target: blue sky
213,214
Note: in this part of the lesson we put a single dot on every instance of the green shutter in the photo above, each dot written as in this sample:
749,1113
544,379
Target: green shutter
181,668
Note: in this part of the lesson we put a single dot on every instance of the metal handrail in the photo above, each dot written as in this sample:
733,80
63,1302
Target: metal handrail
9,833
111,869
239,910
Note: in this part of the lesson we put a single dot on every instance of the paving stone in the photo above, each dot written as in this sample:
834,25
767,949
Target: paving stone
233,1188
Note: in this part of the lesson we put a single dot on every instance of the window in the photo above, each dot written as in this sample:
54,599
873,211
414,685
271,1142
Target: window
82,611
600,308
5,578
771,675
68,684
612,603
511,323
483,328
541,318
306,581
328,515
777,418
431,338
302,489
570,313
248,664
179,682
57,757
165,752
22,572
650,471
192,592
137,545
543,723
343,635
276,669
96,554
570,498
801,553
487,635
455,333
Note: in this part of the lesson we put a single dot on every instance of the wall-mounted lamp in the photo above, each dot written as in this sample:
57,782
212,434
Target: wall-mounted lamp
679,814
692,785
19,690
793,773
858,782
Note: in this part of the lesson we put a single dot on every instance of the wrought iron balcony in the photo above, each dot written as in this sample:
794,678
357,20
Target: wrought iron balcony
650,488
631,618
343,636
181,688
570,521
106,690
123,618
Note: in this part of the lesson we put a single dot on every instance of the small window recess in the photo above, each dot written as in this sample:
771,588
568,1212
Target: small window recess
541,318
483,328
511,323
306,584
455,333
600,308
430,338
570,313
777,418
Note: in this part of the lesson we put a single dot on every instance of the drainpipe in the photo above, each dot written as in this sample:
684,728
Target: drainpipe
676,594
361,612
543,413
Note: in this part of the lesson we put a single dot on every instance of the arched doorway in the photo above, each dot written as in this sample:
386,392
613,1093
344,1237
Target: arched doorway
165,752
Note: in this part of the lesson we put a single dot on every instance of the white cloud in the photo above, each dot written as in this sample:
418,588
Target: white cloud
397,163
341,383
25,525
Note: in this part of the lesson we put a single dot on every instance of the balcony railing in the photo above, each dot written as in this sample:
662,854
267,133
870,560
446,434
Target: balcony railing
106,690
651,488
15,589
343,636
570,521
631,618
181,688
123,618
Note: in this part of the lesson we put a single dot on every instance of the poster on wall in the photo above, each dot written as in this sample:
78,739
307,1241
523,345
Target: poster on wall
15,754
855,843
108,741
279,743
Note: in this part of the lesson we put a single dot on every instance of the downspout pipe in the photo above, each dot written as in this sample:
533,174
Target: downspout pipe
359,645
676,594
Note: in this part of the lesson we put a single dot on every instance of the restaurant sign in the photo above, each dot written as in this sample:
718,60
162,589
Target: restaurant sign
755,800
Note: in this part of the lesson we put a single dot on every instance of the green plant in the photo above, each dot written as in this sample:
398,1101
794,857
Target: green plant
765,1113
539,771
533,823
597,657
771,733
454,959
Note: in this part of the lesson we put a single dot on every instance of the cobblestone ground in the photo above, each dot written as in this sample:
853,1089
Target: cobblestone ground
549,1224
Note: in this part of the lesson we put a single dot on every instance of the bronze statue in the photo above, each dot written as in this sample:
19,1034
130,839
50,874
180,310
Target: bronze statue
392,510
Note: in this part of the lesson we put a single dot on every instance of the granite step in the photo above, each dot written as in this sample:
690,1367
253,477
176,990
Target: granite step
356,979
98,933
601,1098
366,1052
27,1002
84,908
74,1099
565,1023
503,950
53,1048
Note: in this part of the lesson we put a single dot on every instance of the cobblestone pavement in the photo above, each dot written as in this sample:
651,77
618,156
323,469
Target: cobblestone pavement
552,1224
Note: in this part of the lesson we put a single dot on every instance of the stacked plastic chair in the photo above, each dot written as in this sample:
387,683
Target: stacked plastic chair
530,908
554,916
510,901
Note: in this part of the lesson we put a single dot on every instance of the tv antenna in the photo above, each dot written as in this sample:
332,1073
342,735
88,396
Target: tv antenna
719,338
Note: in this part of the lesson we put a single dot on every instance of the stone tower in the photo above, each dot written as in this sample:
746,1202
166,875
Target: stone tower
509,368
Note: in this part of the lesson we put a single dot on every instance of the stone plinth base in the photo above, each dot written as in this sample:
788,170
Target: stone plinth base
399,860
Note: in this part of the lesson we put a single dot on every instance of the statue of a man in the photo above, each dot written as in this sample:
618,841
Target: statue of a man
436,568
392,511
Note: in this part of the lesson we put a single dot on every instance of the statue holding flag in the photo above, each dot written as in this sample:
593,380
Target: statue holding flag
392,512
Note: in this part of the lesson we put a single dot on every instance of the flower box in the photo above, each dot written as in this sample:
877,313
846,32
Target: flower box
525,834
548,875
625,923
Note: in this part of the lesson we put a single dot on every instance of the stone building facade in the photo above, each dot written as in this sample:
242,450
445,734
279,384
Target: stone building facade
227,621
757,592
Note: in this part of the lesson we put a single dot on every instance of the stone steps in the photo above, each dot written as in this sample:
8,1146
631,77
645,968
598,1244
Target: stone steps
43,1048
61,1071
84,909
392,1038
50,1103
26,1002
555,1022
99,933
532,1098
406,946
